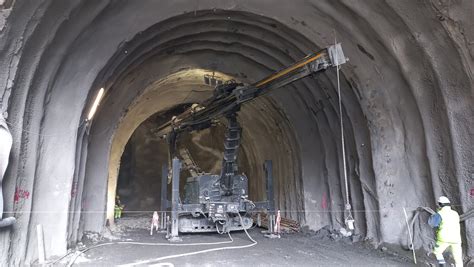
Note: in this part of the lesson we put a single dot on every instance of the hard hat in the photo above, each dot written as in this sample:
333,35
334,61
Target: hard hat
443,200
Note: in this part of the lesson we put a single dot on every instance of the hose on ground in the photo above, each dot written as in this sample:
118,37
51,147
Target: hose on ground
78,253
196,252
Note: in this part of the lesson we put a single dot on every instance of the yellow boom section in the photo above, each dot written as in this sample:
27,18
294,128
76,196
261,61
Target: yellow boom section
291,68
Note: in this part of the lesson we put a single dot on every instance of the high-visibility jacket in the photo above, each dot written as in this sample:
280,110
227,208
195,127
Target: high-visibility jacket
449,230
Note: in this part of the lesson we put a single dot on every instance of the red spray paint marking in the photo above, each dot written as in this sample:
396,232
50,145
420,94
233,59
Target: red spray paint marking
324,202
472,192
20,193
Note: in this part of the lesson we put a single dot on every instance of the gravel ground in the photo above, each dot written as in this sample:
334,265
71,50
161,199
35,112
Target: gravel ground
290,250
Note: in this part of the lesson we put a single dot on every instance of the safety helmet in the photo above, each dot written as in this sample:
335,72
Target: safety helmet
443,200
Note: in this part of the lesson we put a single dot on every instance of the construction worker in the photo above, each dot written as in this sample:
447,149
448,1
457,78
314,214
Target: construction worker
118,208
448,232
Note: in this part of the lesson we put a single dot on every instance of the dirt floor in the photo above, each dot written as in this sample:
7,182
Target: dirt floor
298,249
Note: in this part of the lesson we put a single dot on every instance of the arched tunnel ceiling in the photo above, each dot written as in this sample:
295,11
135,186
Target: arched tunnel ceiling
407,96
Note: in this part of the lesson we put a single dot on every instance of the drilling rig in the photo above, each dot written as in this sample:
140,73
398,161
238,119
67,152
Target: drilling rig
219,202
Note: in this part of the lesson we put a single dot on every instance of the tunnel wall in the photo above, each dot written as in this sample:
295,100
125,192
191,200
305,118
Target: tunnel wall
407,94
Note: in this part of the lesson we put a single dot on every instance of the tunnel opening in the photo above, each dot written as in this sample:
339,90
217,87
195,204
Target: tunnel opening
296,126
146,153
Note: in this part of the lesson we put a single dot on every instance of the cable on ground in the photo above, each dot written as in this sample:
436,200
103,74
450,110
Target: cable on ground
78,253
197,252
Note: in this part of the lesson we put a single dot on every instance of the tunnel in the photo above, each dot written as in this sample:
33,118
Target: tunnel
406,101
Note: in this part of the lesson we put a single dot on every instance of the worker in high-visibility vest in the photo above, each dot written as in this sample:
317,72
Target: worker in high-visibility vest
118,208
448,232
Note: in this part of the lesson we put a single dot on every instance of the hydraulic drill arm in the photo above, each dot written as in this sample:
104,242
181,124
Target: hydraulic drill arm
228,97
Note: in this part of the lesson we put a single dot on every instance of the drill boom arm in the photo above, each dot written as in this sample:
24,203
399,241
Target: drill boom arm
228,97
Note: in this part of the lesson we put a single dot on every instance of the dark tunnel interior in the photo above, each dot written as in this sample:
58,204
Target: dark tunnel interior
140,175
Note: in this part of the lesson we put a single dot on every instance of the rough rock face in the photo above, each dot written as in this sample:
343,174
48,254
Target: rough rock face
407,97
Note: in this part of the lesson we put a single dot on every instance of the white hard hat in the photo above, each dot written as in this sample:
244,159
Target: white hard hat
443,200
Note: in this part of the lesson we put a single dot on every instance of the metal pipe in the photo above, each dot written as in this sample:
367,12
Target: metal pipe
175,200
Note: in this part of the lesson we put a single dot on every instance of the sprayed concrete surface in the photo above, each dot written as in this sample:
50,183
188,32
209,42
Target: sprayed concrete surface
407,95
